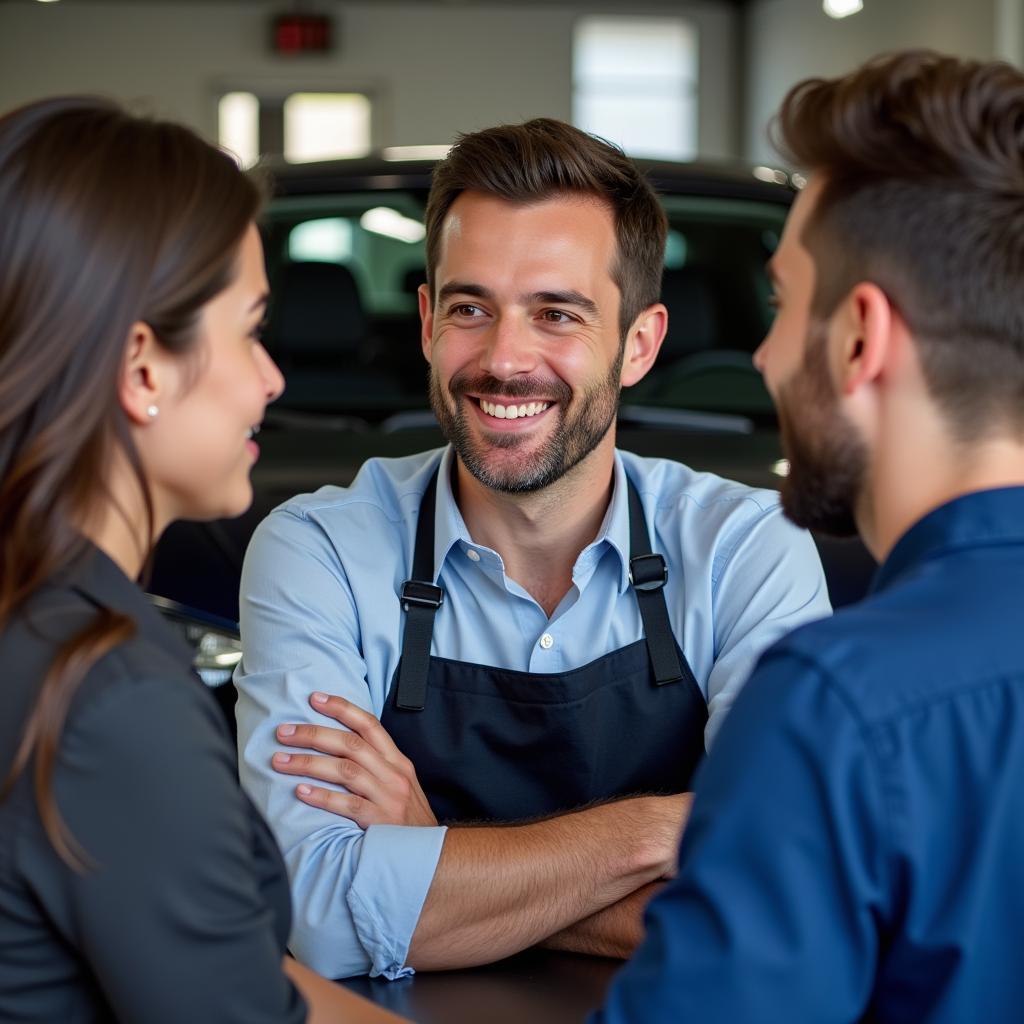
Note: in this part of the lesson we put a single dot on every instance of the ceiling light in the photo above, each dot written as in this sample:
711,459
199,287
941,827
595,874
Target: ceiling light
842,8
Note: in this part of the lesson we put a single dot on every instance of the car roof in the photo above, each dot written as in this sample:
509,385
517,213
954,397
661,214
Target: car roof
375,172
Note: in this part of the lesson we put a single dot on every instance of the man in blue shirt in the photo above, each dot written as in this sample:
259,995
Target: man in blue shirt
882,880
526,627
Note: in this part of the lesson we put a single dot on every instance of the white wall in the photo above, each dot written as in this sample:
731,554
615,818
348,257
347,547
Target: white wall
433,69
788,40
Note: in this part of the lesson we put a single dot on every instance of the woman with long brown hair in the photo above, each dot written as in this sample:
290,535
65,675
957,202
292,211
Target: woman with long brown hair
137,883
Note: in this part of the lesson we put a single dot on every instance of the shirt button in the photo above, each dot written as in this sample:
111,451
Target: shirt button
472,555
547,641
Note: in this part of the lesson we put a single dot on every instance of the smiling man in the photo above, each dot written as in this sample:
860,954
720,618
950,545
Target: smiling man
529,636
883,881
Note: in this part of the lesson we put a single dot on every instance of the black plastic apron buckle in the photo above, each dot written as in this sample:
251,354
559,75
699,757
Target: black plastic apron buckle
424,595
648,572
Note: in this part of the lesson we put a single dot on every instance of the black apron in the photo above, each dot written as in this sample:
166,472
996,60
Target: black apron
501,745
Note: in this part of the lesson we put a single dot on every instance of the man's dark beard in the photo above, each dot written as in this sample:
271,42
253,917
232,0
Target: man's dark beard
827,459
573,439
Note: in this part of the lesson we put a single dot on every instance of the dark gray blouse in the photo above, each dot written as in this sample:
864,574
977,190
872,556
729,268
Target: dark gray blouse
184,913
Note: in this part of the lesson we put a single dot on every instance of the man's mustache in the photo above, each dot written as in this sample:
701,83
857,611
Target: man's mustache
516,387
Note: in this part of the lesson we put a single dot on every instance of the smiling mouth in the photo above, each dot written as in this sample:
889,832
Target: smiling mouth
513,411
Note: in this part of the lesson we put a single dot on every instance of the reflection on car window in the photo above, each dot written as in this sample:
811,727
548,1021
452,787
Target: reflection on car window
716,290
344,269
378,236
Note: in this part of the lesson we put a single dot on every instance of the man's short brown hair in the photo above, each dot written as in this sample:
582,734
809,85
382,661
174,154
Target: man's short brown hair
922,161
543,159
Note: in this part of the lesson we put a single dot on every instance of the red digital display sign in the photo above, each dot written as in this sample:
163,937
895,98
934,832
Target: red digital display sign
301,33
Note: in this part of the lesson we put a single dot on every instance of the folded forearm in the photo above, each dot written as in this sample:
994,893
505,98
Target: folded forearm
615,931
500,889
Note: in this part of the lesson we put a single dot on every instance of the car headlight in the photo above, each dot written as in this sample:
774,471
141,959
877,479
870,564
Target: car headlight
215,644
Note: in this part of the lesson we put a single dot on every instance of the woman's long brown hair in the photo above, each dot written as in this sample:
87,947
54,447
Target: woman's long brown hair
106,219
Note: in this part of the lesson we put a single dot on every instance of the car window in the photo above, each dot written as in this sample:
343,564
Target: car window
717,293
344,269
378,236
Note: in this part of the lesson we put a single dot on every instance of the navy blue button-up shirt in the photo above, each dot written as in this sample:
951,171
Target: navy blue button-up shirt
856,848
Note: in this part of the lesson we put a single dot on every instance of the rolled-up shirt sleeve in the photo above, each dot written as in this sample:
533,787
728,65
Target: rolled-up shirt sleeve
766,582
357,893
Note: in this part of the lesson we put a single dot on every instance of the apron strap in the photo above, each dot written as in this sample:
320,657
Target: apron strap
648,574
420,600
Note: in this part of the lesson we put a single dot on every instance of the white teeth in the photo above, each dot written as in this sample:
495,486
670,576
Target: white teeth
253,431
513,412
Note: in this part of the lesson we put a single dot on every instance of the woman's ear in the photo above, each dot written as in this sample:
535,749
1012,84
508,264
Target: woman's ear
144,371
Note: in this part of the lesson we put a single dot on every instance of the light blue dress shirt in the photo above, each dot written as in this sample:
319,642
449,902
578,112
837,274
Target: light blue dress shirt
319,611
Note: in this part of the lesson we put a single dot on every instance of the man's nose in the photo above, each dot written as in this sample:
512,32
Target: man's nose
510,348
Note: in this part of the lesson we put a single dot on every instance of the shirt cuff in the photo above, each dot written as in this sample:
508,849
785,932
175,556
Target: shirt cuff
396,866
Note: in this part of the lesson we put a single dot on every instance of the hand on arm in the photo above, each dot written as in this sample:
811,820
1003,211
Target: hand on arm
356,892
497,889
381,780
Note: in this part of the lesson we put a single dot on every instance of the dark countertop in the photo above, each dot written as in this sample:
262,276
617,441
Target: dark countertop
533,987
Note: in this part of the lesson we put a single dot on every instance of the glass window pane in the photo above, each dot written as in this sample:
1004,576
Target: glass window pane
322,126
634,83
654,126
238,116
633,48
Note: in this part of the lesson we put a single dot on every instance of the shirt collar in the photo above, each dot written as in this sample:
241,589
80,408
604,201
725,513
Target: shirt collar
450,528
978,519
614,532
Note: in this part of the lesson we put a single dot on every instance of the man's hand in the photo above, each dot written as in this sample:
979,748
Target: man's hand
381,781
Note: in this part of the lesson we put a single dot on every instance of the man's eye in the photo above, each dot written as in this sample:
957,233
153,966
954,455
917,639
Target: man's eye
773,302
258,331
556,316
466,309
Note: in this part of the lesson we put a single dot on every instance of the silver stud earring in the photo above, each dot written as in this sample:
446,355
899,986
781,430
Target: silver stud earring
152,412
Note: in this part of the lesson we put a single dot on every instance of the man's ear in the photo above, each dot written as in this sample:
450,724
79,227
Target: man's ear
426,319
643,343
145,373
862,330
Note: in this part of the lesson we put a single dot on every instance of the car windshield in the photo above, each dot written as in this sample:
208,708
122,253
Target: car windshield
344,270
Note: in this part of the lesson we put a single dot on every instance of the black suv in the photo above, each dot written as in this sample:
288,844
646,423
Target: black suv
345,255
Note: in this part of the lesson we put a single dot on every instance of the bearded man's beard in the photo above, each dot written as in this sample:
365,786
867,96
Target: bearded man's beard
509,462
827,458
